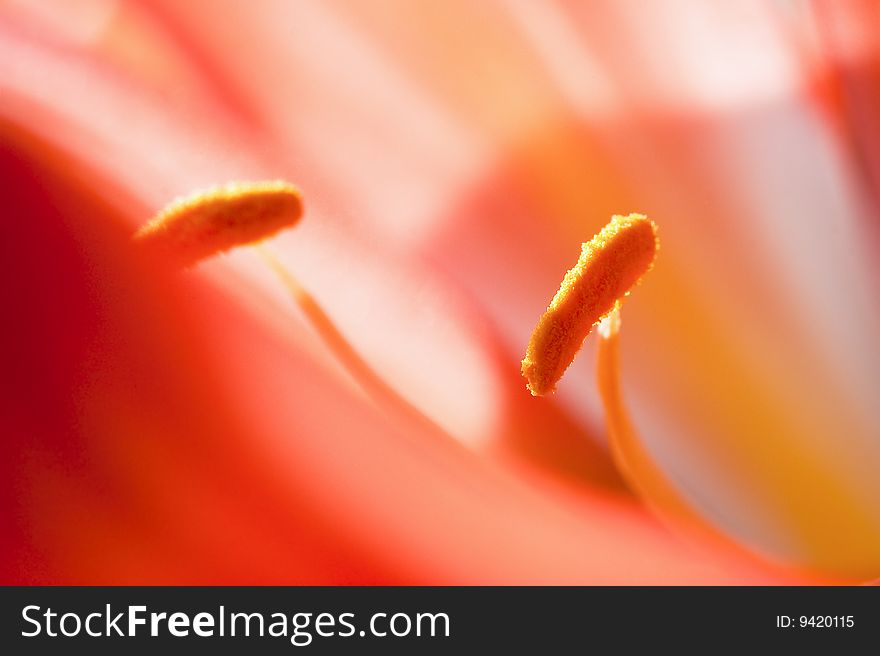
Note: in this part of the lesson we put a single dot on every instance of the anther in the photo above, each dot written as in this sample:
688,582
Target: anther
209,222
610,265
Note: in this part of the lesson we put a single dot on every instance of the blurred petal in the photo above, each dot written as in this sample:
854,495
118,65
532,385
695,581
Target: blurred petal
451,163
159,460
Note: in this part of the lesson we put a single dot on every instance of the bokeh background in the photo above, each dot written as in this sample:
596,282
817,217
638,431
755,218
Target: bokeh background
189,427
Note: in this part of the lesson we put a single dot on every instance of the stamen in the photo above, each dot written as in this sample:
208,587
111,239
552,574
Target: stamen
209,222
610,265
592,292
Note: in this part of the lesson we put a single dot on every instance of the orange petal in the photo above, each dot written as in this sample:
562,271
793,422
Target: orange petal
161,435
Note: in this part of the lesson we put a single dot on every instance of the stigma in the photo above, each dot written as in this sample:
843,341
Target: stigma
209,222
610,265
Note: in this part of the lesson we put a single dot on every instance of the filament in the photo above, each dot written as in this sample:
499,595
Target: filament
371,382
629,454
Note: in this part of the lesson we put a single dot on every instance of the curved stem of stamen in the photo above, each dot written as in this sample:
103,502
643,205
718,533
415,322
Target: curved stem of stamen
642,474
629,454
372,383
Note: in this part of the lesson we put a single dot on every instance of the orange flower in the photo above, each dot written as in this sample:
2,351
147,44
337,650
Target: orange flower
190,427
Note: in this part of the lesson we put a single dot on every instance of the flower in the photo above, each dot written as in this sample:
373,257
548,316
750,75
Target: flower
172,427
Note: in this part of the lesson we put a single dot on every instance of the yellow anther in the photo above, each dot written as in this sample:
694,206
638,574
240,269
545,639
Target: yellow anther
611,264
209,222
